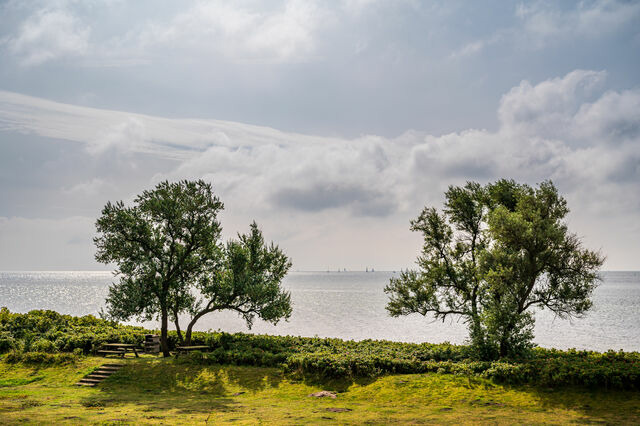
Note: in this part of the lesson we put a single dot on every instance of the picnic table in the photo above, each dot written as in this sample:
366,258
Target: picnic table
118,349
187,349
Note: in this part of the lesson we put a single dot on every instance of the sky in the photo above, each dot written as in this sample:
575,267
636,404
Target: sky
331,124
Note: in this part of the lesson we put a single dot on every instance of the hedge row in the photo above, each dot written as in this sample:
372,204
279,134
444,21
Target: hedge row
591,369
49,332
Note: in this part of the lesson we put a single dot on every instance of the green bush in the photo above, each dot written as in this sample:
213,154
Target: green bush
38,335
49,331
43,345
40,358
7,342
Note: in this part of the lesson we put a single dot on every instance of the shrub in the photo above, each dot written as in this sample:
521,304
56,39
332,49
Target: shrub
333,358
40,358
7,342
43,345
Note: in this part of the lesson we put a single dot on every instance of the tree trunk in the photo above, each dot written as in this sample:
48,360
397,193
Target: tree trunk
504,345
178,331
164,323
503,348
187,337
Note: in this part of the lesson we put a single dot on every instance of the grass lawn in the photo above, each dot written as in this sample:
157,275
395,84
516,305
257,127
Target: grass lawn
150,390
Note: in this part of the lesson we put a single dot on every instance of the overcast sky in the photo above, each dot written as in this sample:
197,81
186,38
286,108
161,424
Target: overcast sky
330,123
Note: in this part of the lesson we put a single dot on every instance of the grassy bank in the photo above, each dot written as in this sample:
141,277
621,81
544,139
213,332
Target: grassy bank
150,390
46,334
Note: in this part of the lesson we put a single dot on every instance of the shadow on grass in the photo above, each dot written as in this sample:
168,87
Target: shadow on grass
156,386
332,384
598,405
159,385
593,405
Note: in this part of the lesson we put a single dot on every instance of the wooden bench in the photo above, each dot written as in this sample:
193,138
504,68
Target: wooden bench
187,349
118,349
110,352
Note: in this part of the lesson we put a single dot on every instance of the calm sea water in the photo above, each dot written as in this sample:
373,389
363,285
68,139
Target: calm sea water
350,305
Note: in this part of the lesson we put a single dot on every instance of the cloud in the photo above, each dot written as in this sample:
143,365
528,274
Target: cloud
49,34
567,129
362,201
87,188
547,109
126,136
283,33
540,24
546,21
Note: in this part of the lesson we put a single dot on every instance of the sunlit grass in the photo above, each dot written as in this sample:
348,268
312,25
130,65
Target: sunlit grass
150,390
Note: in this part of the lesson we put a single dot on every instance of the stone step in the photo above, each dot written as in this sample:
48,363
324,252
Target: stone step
87,380
101,373
96,376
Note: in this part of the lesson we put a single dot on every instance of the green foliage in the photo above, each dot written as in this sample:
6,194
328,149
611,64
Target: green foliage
49,331
40,358
335,358
327,358
495,252
170,261
247,281
161,245
7,342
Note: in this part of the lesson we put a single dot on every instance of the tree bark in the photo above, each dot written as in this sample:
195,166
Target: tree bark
164,323
187,337
178,331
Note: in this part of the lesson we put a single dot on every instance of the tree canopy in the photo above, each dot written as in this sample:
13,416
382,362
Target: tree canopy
168,254
494,253
247,282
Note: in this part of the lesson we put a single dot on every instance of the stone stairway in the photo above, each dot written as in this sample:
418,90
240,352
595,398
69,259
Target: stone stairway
95,377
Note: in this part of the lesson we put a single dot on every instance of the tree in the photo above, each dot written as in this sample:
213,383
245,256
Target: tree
247,282
164,246
492,255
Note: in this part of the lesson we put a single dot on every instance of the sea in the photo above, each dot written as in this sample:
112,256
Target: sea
349,305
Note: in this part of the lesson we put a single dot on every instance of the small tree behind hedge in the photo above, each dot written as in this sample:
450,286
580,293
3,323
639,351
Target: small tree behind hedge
495,252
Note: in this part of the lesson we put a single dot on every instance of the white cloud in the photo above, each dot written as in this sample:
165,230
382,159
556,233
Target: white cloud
49,34
127,136
87,188
285,33
566,129
548,108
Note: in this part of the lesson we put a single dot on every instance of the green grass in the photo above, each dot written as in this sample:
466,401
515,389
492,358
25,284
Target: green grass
150,390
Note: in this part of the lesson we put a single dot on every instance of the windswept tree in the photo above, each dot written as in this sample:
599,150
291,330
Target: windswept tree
247,282
168,244
493,254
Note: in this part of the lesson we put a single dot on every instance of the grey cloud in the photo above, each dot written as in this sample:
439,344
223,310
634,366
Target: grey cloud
269,175
319,197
